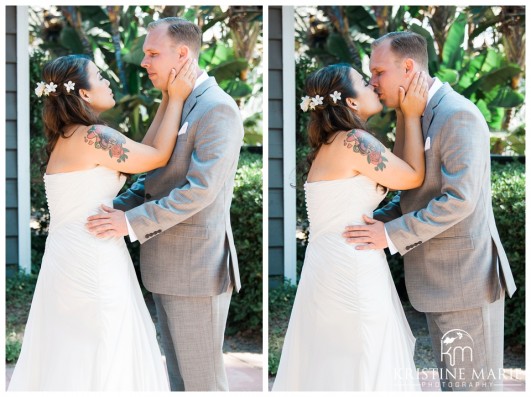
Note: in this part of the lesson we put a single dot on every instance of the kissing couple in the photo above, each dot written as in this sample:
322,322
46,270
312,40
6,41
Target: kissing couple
347,329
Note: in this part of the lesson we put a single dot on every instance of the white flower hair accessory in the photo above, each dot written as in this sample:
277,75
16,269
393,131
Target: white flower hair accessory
69,86
50,87
40,88
336,96
305,103
317,100
45,89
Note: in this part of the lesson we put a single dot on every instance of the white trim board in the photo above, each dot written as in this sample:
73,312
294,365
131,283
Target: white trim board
288,133
23,141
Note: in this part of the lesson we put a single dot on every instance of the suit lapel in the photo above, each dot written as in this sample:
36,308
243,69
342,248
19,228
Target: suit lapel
192,98
431,109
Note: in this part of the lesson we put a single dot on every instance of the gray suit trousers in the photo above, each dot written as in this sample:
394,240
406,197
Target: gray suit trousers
473,361
192,330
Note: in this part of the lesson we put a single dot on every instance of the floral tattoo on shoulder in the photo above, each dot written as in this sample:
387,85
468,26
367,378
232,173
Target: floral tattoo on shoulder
365,144
105,139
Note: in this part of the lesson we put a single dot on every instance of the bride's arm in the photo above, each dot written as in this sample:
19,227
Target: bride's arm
114,150
372,159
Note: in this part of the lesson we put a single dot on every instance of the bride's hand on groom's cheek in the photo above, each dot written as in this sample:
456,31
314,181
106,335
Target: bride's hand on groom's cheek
110,223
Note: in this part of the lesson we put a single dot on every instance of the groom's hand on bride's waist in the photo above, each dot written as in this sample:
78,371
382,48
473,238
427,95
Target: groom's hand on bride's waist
110,223
370,236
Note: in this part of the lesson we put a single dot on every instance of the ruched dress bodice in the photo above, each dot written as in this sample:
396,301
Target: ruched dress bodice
334,204
74,196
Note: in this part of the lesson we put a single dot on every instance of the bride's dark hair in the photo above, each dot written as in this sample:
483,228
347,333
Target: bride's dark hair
330,117
63,107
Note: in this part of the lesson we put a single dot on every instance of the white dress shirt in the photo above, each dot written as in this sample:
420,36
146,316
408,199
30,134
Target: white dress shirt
132,236
431,92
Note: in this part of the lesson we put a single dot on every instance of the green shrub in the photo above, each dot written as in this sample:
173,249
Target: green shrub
245,312
19,293
508,202
13,346
280,302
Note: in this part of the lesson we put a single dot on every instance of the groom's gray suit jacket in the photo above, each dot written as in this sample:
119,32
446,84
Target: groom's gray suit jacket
453,256
181,212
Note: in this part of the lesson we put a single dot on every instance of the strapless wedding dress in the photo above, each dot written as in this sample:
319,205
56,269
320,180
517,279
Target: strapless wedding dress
89,328
347,329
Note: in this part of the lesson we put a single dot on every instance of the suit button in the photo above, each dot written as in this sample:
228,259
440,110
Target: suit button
148,196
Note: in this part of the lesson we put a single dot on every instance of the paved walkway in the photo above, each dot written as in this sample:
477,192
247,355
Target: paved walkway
244,371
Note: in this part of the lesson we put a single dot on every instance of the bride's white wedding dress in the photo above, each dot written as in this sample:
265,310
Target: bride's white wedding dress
88,327
347,329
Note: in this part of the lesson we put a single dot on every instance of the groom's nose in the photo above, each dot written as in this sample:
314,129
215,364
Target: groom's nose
144,63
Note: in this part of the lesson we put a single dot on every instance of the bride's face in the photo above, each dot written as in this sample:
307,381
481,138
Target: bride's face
100,96
367,102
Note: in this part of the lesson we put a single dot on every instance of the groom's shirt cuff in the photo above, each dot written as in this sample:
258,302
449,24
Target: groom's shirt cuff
392,248
132,235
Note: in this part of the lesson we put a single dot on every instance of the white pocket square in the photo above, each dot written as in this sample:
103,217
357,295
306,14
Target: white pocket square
183,129
427,144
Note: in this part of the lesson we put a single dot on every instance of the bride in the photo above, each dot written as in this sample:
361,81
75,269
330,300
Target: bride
347,329
89,328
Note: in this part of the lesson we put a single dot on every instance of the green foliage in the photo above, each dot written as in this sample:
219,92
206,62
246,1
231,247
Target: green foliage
303,68
13,346
39,208
246,214
19,293
508,202
280,303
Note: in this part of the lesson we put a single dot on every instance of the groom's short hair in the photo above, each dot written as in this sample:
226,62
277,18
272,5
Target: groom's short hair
181,31
406,45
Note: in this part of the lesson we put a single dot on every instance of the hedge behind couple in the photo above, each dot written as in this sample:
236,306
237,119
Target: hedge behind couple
347,329
89,327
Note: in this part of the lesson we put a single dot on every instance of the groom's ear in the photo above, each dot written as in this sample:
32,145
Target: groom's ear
409,65
183,51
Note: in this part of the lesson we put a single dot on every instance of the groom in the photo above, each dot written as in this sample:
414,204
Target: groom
180,213
456,269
